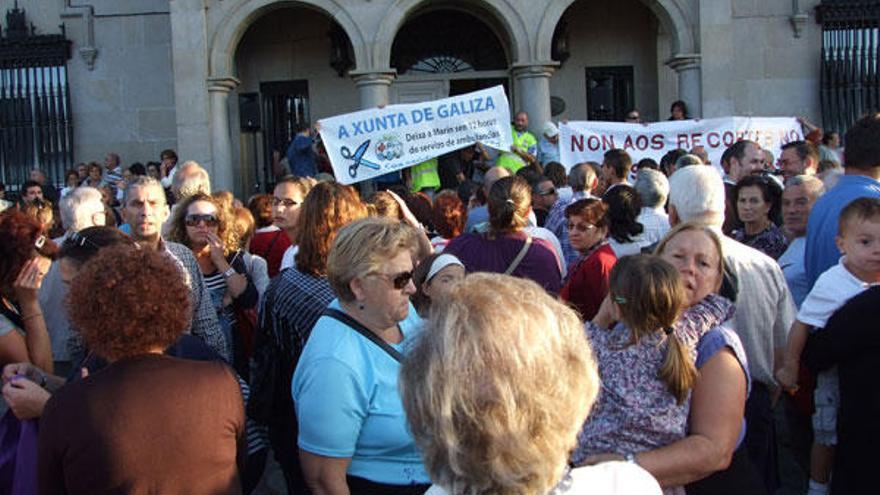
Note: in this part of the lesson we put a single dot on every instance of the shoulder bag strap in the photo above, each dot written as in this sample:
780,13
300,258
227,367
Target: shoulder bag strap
519,257
366,332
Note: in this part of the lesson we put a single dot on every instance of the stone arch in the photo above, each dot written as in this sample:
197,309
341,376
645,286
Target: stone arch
673,17
235,23
515,32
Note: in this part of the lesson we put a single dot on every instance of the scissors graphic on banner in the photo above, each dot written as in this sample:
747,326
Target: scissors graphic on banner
357,158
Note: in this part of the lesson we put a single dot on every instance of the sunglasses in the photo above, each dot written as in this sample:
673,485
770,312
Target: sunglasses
287,202
581,227
209,220
399,281
632,117
548,192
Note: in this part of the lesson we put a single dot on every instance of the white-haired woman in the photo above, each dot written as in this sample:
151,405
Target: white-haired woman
495,400
353,437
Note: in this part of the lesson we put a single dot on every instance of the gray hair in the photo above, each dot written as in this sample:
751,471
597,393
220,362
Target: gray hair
142,181
652,187
813,185
184,185
581,177
697,193
78,208
687,160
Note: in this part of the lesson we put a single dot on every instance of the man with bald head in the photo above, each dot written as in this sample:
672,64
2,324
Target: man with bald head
480,214
524,150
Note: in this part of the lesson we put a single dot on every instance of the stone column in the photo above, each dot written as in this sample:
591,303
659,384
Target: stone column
690,85
373,86
222,175
532,83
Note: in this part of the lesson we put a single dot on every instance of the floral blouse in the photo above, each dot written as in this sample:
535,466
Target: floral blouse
770,241
635,411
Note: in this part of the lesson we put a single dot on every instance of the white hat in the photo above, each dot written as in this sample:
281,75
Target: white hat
550,130
440,263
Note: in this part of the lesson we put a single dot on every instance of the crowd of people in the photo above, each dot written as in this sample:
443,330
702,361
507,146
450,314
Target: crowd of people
487,322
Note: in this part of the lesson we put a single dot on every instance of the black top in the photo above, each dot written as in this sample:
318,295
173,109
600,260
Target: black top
851,341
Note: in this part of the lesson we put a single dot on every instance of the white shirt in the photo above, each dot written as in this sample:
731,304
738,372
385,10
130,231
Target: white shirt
289,258
607,478
656,223
167,180
832,290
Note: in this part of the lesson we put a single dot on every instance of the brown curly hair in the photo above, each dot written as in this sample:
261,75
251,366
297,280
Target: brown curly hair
450,215
19,233
328,207
225,229
150,305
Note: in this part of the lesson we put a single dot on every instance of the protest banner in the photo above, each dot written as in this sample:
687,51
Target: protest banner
369,143
588,141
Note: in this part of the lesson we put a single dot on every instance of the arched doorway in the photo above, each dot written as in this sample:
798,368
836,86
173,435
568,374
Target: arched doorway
292,64
445,51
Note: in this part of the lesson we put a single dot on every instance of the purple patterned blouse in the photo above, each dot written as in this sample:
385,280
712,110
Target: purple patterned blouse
635,411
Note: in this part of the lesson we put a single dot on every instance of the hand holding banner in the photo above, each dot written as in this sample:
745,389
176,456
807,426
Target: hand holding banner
369,143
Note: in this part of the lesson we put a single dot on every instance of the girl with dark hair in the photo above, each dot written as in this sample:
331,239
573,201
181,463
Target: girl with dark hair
506,247
758,202
586,284
624,230
434,277
678,110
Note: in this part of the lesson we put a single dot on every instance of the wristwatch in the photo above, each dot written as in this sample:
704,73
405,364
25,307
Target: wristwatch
229,272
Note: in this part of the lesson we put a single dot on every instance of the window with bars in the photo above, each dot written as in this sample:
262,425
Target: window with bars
850,79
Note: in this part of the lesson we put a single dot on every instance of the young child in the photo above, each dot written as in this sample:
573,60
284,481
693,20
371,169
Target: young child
858,238
646,361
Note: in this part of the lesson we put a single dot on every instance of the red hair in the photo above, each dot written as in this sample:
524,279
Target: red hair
20,232
450,215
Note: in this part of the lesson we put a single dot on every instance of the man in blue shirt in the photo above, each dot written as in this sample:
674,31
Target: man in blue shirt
861,179
301,153
548,146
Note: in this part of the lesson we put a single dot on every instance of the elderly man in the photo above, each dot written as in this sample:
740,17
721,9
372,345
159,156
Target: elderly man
480,214
583,181
80,209
145,210
653,189
548,147
764,309
794,427
798,158
113,175
544,196
189,179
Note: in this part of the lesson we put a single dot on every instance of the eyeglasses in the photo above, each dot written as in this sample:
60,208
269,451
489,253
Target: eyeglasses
632,117
399,281
548,192
581,227
209,220
287,202
80,240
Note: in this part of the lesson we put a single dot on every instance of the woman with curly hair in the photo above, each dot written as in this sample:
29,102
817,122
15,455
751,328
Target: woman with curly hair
202,225
292,304
140,423
25,255
495,394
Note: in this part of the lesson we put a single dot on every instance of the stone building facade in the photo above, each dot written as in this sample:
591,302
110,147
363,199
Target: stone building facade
223,81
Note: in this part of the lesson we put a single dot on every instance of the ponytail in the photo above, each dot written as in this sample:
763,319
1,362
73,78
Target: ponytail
677,371
508,203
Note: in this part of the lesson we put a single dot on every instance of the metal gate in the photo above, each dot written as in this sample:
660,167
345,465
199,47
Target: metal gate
850,80
35,119
285,104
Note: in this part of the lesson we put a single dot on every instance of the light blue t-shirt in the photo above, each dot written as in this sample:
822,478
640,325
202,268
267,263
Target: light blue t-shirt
348,405
792,264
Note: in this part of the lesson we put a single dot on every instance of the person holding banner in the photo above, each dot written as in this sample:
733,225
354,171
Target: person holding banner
524,149
507,247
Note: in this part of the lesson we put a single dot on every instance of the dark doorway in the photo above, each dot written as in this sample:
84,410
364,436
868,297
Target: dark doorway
609,92
285,105
462,86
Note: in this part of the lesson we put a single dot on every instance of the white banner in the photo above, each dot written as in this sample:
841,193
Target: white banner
368,143
588,141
